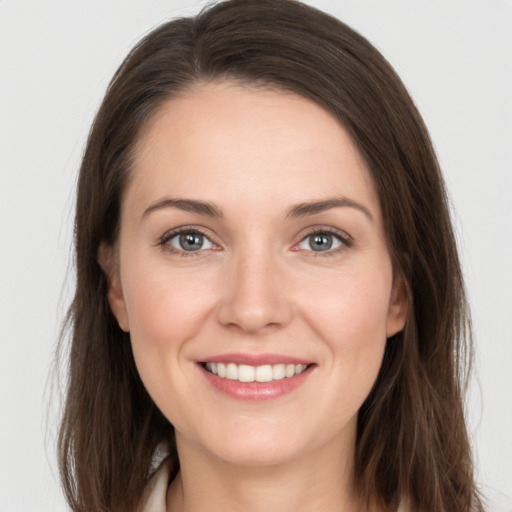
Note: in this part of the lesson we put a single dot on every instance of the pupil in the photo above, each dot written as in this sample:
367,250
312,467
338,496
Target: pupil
321,242
191,241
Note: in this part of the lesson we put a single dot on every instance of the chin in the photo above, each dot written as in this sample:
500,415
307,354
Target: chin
263,446
259,456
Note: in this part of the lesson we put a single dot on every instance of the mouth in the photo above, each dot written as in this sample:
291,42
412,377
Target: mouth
255,378
249,373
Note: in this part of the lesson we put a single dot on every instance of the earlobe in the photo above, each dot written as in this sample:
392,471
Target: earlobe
398,306
107,260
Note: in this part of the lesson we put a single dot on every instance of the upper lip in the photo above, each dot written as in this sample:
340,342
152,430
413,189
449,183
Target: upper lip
256,359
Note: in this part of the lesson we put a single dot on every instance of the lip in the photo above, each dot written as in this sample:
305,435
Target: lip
256,391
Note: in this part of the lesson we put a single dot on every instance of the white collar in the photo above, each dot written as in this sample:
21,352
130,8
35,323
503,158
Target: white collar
155,492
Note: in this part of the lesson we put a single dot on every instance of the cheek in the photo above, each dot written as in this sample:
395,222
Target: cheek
355,304
165,310
166,307
351,319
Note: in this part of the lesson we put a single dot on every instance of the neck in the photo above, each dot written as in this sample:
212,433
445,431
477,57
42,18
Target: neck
319,481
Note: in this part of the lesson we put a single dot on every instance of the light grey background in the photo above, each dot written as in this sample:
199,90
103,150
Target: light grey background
56,58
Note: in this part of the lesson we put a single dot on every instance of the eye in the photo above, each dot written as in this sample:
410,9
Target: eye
189,241
321,241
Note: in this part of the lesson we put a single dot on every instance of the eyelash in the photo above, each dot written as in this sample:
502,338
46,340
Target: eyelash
163,242
345,241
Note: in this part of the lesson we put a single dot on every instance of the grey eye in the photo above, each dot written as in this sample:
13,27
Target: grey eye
190,241
319,242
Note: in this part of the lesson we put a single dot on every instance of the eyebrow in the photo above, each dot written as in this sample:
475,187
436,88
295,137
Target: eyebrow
300,210
314,207
187,205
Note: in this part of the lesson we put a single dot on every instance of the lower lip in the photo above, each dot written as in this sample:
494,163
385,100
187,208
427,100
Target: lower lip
256,391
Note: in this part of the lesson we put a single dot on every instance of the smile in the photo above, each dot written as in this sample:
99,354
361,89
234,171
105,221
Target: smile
248,373
256,377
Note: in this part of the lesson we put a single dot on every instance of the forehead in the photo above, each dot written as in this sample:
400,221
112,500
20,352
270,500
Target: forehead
226,141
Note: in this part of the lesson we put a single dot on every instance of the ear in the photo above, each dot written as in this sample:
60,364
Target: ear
108,261
398,306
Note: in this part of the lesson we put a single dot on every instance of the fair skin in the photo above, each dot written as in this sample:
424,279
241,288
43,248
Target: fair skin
254,277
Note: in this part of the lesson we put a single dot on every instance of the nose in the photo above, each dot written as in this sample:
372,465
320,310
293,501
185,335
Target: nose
255,300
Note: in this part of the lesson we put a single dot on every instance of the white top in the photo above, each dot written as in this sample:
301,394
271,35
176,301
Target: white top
155,493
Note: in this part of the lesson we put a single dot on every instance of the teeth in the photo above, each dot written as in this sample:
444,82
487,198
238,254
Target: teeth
263,373
232,371
221,369
247,373
289,370
278,371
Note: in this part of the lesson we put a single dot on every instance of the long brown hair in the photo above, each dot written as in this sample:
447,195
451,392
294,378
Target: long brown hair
412,441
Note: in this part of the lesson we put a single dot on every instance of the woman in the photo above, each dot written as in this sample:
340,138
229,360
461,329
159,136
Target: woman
267,280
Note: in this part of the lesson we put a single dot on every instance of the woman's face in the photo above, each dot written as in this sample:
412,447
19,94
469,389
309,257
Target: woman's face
252,245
